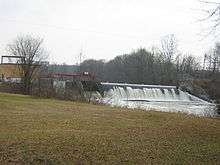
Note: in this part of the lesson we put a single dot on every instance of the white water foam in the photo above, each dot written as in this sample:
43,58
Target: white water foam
158,98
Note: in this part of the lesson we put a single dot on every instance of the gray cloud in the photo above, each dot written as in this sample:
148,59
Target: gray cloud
102,28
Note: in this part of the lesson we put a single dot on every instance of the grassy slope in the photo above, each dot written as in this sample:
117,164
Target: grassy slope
48,131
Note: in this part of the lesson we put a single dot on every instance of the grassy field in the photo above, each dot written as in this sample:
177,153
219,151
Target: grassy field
47,131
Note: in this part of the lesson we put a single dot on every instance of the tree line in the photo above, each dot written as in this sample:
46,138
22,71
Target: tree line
142,66
156,66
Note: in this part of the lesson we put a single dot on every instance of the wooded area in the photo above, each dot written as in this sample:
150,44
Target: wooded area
155,67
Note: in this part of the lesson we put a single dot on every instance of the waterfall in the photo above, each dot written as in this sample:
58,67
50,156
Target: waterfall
148,94
155,97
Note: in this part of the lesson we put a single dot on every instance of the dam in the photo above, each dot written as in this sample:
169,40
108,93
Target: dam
155,97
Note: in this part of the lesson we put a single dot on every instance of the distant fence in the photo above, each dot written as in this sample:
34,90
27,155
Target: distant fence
11,87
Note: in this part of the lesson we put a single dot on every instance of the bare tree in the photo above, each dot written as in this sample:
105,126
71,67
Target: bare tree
212,14
168,52
32,55
169,47
212,59
216,58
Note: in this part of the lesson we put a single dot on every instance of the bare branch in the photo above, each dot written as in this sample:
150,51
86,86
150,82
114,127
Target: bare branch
210,2
32,53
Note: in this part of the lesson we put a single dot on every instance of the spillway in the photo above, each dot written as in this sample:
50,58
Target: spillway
155,97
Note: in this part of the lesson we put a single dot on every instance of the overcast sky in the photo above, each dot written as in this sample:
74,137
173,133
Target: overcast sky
103,29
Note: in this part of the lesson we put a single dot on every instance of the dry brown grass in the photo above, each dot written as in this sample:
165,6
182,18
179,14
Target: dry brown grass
47,131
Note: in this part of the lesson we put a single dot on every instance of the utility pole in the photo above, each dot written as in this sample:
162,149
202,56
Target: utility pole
80,59
204,62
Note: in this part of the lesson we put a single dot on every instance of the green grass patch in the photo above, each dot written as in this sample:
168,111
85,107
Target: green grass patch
49,131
